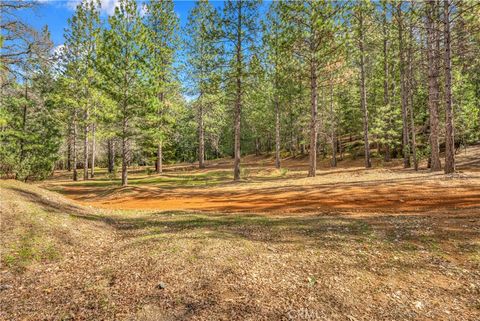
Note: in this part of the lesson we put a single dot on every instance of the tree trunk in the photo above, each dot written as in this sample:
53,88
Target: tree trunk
386,97
124,161
293,138
313,120
321,130
257,146
340,149
24,123
363,94
449,127
201,138
69,148
74,139
238,100
159,163
388,153
433,86
277,133
85,146
125,151
411,83
333,124
414,141
403,91
92,169
111,155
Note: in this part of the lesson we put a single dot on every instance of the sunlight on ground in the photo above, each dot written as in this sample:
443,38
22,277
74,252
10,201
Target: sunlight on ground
385,243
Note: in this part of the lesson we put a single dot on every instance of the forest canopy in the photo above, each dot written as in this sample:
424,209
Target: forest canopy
327,79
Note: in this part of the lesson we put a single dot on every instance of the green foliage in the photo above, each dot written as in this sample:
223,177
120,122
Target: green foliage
204,53
144,82
161,42
121,58
31,131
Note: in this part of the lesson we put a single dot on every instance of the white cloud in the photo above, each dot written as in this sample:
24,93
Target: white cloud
72,4
107,6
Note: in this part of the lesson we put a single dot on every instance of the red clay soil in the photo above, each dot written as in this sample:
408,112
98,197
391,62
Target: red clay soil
349,188
402,198
403,195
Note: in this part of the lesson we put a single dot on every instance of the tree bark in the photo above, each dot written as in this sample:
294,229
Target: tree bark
125,151
363,93
411,83
69,148
124,161
85,146
313,119
333,124
277,132
238,100
24,123
201,138
159,163
92,169
403,90
449,127
386,97
433,86
111,155
74,141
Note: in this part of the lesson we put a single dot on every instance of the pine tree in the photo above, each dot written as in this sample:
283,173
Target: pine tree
449,124
433,85
313,26
122,50
161,24
80,55
30,132
403,86
274,41
240,29
361,10
204,50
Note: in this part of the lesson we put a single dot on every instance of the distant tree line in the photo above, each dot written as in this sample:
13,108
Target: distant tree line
389,79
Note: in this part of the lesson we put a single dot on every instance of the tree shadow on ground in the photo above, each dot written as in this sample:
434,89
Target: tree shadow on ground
322,231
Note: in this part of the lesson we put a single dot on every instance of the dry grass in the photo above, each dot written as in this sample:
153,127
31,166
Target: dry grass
65,261
238,266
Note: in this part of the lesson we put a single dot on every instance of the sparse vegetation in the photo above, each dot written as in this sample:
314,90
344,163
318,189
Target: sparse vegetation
403,261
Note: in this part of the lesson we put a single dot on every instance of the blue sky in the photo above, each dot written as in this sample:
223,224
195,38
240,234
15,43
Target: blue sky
55,13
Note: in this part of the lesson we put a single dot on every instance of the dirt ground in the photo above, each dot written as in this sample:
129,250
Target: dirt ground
264,189
350,244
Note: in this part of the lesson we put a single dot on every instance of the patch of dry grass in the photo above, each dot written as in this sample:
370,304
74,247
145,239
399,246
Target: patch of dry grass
36,226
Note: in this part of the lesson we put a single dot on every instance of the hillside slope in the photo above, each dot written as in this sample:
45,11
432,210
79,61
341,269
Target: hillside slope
46,243
61,261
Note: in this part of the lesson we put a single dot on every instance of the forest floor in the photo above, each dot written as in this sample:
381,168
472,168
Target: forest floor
387,188
350,244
